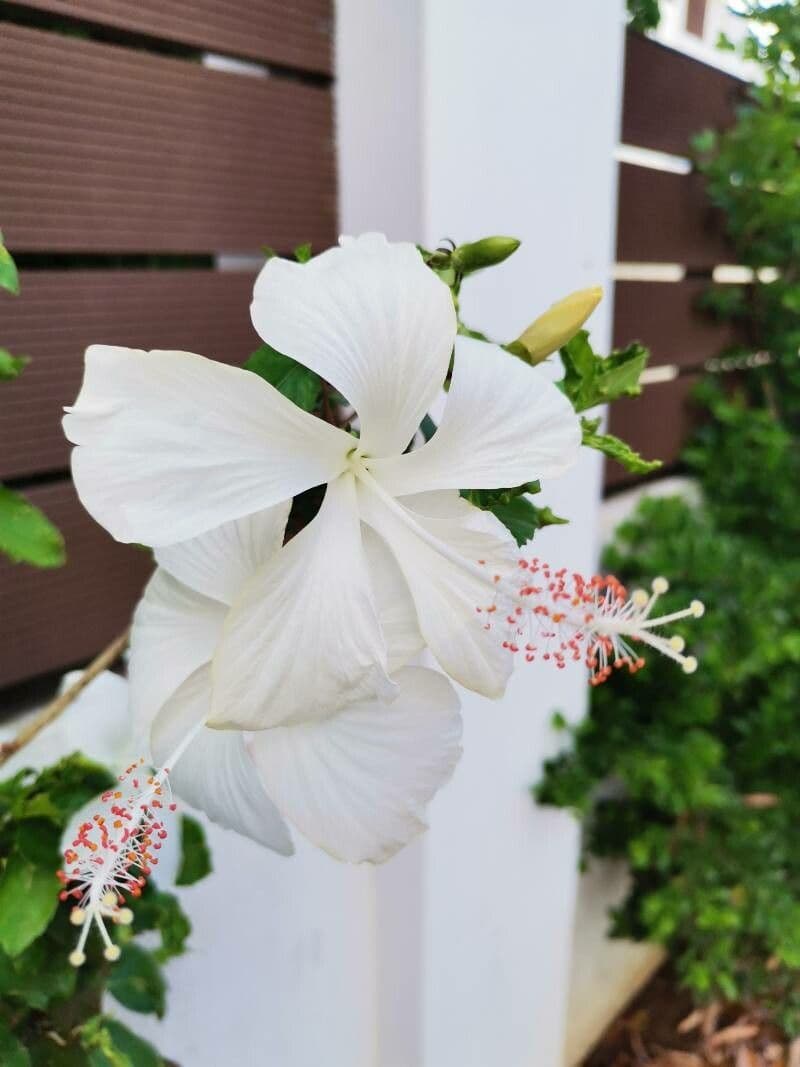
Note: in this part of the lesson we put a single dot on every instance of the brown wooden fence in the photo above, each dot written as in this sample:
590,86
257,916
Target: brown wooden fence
127,166
666,218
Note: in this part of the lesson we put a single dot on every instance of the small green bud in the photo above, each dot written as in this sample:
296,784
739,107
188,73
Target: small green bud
558,324
485,253
440,259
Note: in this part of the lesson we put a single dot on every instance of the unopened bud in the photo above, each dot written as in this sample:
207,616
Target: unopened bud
485,253
559,323
440,259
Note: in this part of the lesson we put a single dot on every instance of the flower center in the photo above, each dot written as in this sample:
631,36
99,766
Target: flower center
357,460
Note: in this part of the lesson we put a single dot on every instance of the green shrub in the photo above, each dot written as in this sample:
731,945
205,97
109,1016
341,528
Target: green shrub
50,1012
695,781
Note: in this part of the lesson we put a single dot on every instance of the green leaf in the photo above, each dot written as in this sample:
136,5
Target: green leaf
137,983
110,1044
618,374
37,840
303,252
162,912
12,1052
26,534
301,385
38,806
37,975
522,518
644,15
195,857
704,142
592,379
69,784
616,449
11,366
9,279
427,427
28,901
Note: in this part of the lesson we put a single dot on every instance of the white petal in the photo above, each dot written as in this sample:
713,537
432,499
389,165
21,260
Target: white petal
504,424
357,784
175,631
216,773
171,444
438,554
219,562
372,320
396,611
304,637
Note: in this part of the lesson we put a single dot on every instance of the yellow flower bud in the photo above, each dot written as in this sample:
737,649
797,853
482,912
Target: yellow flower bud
559,323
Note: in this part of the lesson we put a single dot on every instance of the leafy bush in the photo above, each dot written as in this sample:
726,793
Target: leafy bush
50,1012
696,782
643,14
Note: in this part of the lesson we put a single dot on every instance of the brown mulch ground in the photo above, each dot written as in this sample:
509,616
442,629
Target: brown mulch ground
660,1028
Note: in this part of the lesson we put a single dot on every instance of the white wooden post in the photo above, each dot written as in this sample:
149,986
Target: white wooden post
461,118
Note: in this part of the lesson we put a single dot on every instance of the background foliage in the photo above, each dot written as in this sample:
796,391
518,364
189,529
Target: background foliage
26,534
694,781
51,1013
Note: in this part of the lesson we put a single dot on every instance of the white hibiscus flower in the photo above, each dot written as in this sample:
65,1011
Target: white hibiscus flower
171,445
355,782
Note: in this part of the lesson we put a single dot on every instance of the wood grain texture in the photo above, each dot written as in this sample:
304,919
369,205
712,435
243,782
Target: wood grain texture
669,97
664,316
667,218
656,424
111,149
61,312
296,34
61,618
696,17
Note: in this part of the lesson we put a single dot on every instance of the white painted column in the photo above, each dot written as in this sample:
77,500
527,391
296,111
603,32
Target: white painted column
462,118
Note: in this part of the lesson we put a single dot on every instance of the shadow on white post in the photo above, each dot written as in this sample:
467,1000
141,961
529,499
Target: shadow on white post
462,118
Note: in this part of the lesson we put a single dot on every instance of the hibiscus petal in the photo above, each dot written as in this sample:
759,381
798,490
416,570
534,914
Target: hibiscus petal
356,784
219,562
303,638
216,773
171,444
504,424
175,631
372,320
438,553
396,611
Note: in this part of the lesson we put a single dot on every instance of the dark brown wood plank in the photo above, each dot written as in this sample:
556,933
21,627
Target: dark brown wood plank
667,218
664,316
112,149
295,35
59,313
54,619
657,424
696,17
669,96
